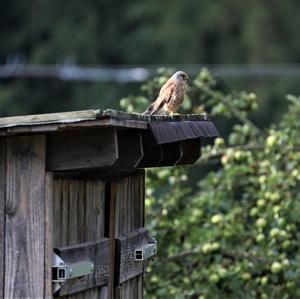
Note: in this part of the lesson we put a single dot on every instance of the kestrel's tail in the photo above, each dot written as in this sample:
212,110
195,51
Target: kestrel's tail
159,111
149,110
154,110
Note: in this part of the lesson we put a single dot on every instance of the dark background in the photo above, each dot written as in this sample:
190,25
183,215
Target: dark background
259,41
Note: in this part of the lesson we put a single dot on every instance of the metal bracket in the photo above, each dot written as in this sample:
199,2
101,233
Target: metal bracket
62,271
145,252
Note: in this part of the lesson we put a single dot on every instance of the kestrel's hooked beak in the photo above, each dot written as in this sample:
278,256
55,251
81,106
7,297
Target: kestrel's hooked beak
187,79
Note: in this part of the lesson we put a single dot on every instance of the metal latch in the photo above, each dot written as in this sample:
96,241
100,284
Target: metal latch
62,271
145,252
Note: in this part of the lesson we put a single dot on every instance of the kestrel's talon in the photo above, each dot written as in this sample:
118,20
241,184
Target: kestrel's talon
170,96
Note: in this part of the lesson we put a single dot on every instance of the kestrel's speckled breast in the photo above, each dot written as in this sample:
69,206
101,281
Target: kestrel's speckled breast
177,97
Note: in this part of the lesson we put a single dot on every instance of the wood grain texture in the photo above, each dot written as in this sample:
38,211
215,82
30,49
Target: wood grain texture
94,220
81,211
129,217
54,118
111,220
65,213
94,210
96,252
2,212
125,259
48,234
69,120
119,118
84,149
130,203
73,211
78,211
131,289
24,223
57,205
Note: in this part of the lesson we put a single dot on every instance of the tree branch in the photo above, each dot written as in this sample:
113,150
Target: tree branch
232,109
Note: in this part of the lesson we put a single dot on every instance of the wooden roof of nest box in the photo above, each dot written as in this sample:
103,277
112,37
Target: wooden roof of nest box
111,140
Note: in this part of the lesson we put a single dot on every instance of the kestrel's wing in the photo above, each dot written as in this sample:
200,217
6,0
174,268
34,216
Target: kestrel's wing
164,96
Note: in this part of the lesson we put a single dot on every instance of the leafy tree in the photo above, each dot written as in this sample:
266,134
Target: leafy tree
237,234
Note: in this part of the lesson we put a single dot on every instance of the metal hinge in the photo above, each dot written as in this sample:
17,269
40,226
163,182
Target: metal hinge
145,252
62,271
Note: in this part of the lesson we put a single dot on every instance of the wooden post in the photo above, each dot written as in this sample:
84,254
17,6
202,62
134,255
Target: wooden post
2,213
24,217
48,234
129,217
78,216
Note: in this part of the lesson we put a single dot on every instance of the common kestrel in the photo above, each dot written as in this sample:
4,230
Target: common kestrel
170,96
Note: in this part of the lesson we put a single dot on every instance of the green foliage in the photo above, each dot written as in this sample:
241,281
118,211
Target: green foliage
237,234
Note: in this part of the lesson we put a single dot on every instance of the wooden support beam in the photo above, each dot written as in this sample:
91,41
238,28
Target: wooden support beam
152,153
129,215
48,234
24,217
130,149
96,252
84,149
2,213
171,153
190,151
125,259
111,194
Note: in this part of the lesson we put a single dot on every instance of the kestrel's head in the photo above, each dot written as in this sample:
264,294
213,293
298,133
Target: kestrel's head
180,75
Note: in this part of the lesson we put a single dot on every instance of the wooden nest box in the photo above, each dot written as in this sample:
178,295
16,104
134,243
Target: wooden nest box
72,199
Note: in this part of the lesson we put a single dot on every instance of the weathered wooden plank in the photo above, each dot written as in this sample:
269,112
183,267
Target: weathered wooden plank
65,213
81,211
53,127
2,212
104,293
129,217
111,221
68,120
94,219
131,289
24,223
96,252
130,203
95,208
85,149
48,234
74,117
80,225
73,211
125,259
36,119
106,122
57,218
31,129
80,204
